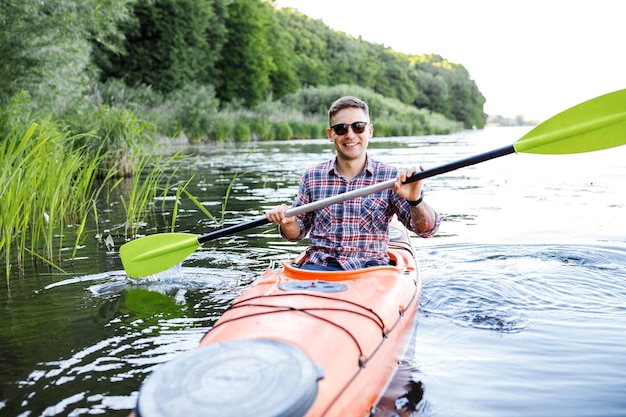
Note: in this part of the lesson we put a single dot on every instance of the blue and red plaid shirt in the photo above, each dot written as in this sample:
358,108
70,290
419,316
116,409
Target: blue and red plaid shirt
356,232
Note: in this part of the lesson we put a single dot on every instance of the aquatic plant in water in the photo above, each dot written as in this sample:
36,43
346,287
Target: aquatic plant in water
46,186
51,181
150,173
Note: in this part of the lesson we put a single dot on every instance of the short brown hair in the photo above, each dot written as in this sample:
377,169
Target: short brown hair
345,103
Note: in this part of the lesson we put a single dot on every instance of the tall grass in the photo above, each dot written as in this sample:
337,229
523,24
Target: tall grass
51,179
151,170
46,185
116,133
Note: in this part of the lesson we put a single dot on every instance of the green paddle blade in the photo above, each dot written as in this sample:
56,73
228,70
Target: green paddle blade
156,253
599,123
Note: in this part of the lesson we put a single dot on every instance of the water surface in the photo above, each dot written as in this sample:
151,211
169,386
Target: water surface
522,310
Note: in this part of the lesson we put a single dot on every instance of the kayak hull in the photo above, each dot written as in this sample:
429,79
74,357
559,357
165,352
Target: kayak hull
300,343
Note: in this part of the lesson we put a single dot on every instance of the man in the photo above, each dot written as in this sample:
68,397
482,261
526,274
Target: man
353,234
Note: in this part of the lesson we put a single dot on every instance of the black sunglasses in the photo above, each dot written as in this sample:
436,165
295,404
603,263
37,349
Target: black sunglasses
342,128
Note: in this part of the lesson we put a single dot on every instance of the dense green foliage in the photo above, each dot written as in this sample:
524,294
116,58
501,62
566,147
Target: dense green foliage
239,54
251,52
51,181
45,48
168,44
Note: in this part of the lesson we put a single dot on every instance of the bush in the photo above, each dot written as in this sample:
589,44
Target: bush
118,133
241,132
261,128
15,114
318,130
402,129
283,131
196,110
301,130
382,130
417,129
221,129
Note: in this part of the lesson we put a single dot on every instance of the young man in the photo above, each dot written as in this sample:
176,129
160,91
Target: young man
353,234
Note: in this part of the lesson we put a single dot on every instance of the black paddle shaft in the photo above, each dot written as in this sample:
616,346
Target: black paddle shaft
472,160
231,230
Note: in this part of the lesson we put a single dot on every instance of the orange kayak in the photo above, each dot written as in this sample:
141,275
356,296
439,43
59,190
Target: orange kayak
298,343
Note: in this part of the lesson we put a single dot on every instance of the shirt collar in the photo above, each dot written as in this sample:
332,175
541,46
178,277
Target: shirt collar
369,165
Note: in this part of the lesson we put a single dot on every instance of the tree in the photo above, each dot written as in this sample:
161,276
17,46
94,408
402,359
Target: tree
16,39
246,62
434,92
466,101
45,46
394,80
169,44
309,49
283,77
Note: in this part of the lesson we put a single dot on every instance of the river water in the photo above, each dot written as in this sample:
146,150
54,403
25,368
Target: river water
523,310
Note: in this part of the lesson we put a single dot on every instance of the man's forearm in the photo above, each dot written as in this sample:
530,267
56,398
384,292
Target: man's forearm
291,231
424,218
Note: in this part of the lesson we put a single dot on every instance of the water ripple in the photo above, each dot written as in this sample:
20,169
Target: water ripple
504,288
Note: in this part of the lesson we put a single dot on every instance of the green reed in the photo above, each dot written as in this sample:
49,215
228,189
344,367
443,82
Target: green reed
46,185
151,170
51,179
200,206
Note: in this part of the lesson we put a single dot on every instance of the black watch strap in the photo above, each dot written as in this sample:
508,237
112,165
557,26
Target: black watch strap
417,202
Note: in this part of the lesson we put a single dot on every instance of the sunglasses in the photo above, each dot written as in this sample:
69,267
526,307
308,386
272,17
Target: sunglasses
342,128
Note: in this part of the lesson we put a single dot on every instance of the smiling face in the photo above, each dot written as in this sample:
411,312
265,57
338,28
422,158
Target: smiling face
350,146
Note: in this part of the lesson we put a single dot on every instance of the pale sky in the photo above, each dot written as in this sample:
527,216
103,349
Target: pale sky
534,58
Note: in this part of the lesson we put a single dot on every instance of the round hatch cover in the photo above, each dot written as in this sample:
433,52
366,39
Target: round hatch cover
250,377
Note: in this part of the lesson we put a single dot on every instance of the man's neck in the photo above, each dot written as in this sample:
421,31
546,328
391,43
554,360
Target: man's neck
350,168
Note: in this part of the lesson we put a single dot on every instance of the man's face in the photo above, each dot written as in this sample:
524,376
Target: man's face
351,145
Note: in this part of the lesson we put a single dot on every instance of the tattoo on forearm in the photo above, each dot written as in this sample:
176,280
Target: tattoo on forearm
423,217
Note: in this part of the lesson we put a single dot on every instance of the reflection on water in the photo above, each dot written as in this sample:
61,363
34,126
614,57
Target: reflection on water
405,395
117,329
522,311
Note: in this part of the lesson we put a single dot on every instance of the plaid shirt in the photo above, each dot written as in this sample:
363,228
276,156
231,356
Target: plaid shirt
355,232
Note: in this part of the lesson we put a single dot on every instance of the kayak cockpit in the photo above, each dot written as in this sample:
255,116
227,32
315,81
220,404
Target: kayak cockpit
401,260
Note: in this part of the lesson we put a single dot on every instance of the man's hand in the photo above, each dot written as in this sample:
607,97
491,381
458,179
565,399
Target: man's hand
288,224
411,191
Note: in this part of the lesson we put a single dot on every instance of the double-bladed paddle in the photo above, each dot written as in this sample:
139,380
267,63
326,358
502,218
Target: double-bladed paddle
599,123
